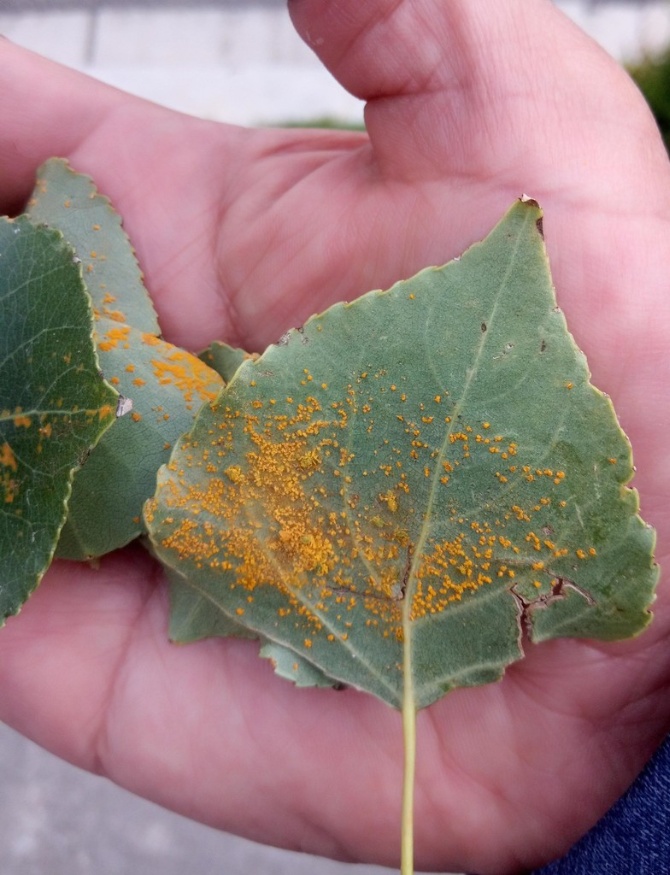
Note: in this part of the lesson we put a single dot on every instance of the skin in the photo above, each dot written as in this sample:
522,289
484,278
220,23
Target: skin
468,104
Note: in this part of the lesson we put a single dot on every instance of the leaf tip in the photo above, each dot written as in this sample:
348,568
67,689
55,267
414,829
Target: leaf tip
527,200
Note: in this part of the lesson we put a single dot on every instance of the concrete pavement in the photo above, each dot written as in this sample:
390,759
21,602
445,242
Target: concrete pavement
58,820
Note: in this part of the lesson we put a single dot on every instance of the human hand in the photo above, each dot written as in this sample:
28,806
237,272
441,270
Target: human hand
242,234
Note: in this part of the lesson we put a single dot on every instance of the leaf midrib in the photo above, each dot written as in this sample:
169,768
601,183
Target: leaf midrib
408,623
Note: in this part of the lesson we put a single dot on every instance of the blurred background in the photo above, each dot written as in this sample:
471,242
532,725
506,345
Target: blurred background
240,60
237,61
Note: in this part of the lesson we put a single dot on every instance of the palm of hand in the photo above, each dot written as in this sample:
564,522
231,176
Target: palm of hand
243,234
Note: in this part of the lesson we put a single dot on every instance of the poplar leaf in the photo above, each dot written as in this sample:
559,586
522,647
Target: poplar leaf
295,668
225,359
404,488
53,403
70,202
166,387
193,618
162,385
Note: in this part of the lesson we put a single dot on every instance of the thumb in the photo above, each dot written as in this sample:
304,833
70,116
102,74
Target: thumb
472,87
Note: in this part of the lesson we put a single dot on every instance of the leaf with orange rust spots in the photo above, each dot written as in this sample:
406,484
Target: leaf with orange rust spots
70,202
162,385
193,617
166,386
439,480
53,403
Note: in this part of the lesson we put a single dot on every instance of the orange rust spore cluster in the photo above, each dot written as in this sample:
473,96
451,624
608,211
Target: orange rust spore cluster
166,366
8,467
176,367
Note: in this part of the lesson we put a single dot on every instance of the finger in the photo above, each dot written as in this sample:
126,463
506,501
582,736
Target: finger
46,110
477,87
490,98
49,110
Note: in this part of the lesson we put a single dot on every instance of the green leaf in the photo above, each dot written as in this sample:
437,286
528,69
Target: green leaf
295,668
193,617
71,203
439,479
225,359
167,386
53,403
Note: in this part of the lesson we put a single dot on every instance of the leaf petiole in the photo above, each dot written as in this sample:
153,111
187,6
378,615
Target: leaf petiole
409,742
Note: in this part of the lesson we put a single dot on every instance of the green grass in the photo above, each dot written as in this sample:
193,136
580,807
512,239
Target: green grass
325,122
653,78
